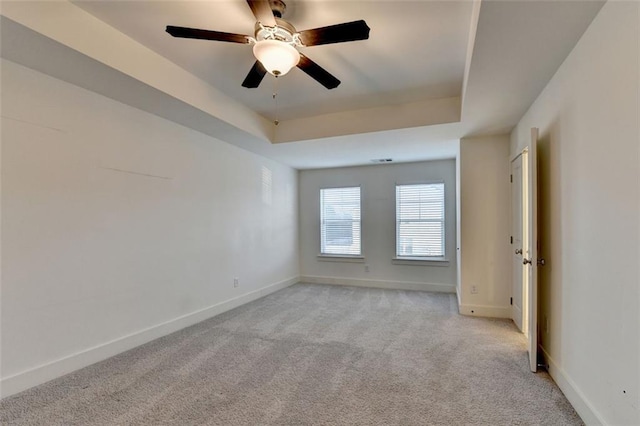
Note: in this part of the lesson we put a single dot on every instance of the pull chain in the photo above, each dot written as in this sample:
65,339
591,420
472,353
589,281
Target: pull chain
275,100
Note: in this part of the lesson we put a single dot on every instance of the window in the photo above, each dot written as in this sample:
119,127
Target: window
420,220
340,221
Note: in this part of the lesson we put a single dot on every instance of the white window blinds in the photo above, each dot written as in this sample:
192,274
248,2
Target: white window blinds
340,230
420,220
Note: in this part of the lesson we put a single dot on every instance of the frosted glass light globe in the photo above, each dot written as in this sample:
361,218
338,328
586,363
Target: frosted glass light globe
277,57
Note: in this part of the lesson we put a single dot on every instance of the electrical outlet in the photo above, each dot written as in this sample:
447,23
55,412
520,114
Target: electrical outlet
236,282
474,289
366,268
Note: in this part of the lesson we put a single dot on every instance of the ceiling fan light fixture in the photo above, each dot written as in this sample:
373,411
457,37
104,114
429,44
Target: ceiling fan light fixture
276,56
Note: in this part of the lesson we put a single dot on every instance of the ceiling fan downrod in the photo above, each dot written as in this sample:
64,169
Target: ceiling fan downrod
278,7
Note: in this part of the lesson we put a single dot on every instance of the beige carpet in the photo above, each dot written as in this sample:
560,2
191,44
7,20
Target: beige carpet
312,354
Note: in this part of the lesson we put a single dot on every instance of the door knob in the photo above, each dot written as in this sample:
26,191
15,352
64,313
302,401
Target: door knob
526,262
518,251
541,262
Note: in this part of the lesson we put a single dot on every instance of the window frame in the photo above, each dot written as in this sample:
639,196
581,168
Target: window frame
438,260
340,257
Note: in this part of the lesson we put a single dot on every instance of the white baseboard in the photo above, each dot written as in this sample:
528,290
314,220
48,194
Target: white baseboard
49,371
485,311
582,406
391,285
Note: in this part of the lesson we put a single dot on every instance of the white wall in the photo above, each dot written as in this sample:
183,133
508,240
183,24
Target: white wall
589,186
378,226
119,226
484,227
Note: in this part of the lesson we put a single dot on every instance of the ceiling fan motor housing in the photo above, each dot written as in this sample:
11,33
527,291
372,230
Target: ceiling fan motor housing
284,31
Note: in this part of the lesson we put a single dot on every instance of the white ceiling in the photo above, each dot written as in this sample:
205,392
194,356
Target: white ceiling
430,74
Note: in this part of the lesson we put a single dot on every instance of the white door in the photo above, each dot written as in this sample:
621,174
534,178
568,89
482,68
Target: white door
530,244
517,309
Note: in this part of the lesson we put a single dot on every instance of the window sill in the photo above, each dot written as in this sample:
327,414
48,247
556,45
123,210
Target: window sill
420,261
340,258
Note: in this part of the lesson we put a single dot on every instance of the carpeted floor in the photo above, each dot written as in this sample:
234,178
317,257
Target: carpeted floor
312,354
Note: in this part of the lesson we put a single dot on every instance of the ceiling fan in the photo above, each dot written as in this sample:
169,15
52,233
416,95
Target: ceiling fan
276,41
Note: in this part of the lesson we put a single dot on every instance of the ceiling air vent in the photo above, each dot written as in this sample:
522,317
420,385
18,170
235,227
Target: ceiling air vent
382,160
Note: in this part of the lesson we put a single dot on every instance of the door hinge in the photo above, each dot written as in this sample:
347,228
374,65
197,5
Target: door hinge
511,300
511,239
511,178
